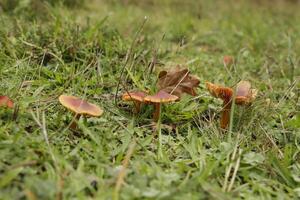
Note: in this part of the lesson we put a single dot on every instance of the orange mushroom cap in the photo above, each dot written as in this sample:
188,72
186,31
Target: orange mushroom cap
228,60
137,96
244,93
80,106
161,97
224,93
5,101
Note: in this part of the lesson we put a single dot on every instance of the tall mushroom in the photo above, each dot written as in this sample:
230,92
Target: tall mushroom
79,107
157,100
224,93
244,96
6,102
137,97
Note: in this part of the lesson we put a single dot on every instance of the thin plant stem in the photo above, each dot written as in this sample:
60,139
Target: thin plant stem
237,165
128,55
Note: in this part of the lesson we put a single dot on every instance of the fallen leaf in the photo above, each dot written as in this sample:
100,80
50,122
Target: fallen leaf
177,81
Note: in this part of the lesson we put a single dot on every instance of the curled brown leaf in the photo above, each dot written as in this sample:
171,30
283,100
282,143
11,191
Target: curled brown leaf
177,81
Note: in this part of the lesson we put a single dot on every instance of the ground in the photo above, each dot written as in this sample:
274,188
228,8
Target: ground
80,48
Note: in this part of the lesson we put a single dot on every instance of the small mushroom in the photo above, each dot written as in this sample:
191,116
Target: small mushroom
224,93
244,96
157,100
79,107
6,102
228,60
137,98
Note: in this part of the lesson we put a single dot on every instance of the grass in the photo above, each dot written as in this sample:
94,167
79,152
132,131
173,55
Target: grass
48,49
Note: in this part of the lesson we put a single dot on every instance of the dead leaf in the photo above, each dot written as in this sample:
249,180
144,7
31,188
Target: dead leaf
177,81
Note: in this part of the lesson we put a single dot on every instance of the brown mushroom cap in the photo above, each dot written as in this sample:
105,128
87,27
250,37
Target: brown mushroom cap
161,97
5,101
137,96
80,106
244,93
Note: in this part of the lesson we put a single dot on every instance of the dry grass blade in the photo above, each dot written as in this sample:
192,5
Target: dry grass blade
272,141
237,165
122,173
229,169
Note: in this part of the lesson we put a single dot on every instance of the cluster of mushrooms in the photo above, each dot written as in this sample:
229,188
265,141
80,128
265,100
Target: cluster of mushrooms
244,95
171,85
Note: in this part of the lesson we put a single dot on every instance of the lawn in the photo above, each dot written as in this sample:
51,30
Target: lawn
99,49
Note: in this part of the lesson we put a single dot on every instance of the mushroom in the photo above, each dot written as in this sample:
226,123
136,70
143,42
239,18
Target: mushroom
244,96
6,102
228,60
224,93
137,97
157,100
79,107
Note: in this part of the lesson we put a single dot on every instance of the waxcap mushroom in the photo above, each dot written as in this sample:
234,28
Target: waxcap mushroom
218,91
134,96
161,97
228,60
6,102
158,99
244,96
224,93
79,106
137,97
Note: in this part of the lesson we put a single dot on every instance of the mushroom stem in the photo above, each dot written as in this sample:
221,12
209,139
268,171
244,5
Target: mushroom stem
137,107
74,121
156,112
225,116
